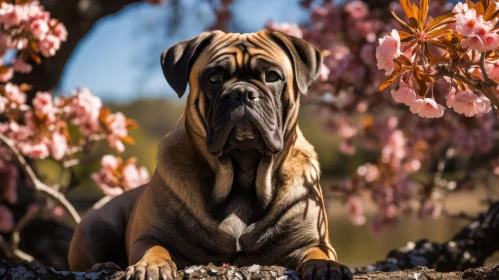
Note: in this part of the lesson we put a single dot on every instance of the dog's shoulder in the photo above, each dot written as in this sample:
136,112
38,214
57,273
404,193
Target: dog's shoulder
302,160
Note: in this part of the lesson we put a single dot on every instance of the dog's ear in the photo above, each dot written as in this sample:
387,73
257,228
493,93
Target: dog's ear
305,58
177,60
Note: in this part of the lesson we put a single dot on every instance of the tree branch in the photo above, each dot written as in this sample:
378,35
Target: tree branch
39,185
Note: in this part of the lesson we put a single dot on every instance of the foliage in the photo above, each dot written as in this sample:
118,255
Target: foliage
438,56
63,129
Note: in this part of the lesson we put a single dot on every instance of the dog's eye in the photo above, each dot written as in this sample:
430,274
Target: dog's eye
214,78
272,76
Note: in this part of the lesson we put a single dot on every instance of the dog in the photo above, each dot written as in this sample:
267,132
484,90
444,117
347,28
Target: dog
236,182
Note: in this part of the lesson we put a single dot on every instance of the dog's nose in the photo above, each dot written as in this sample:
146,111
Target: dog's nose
244,94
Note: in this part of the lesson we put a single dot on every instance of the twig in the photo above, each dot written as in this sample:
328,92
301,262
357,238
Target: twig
485,74
15,238
39,185
102,202
77,161
482,86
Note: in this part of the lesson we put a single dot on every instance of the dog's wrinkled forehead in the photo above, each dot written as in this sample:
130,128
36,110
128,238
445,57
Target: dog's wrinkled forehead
187,59
237,51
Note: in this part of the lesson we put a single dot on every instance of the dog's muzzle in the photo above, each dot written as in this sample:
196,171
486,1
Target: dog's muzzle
243,120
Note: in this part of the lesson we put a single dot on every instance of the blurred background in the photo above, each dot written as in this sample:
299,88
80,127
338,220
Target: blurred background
119,61
113,49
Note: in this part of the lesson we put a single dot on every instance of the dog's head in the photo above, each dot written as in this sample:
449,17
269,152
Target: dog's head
244,88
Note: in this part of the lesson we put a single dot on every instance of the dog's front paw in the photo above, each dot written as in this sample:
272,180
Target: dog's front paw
324,269
144,270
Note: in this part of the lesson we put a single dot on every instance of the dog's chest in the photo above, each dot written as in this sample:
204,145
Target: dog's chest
236,217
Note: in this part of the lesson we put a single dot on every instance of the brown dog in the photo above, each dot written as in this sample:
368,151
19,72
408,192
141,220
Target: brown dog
236,181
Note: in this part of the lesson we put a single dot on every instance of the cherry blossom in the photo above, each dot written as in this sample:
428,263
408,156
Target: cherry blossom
469,104
85,110
355,207
44,108
21,66
117,130
404,94
117,176
387,51
14,95
50,45
427,108
39,29
288,28
467,22
58,145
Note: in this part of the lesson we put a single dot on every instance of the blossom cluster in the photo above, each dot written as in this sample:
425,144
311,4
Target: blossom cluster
42,131
467,32
63,129
28,29
402,178
116,176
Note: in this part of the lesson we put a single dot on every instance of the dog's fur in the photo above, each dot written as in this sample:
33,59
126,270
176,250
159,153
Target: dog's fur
236,182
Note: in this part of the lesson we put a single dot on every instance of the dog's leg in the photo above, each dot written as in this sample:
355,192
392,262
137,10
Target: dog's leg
150,261
318,265
97,240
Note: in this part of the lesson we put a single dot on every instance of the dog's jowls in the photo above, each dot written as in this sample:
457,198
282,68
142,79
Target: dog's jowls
236,182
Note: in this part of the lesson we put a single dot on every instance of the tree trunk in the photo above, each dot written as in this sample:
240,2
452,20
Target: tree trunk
78,16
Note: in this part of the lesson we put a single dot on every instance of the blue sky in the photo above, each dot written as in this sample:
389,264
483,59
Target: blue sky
119,58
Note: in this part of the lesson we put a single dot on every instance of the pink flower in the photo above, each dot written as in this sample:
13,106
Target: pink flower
324,75
493,70
60,31
427,108
460,8
6,75
369,171
58,146
357,9
116,177
289,28
480,36
387,51
404,94
355,207
85,110
467,22
10,15
110,162
50,45
6,219
412,166
469,104
346,131
117,130
35,150
134,177
17,43
14,95
21,66
43,106
347,148
39,29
